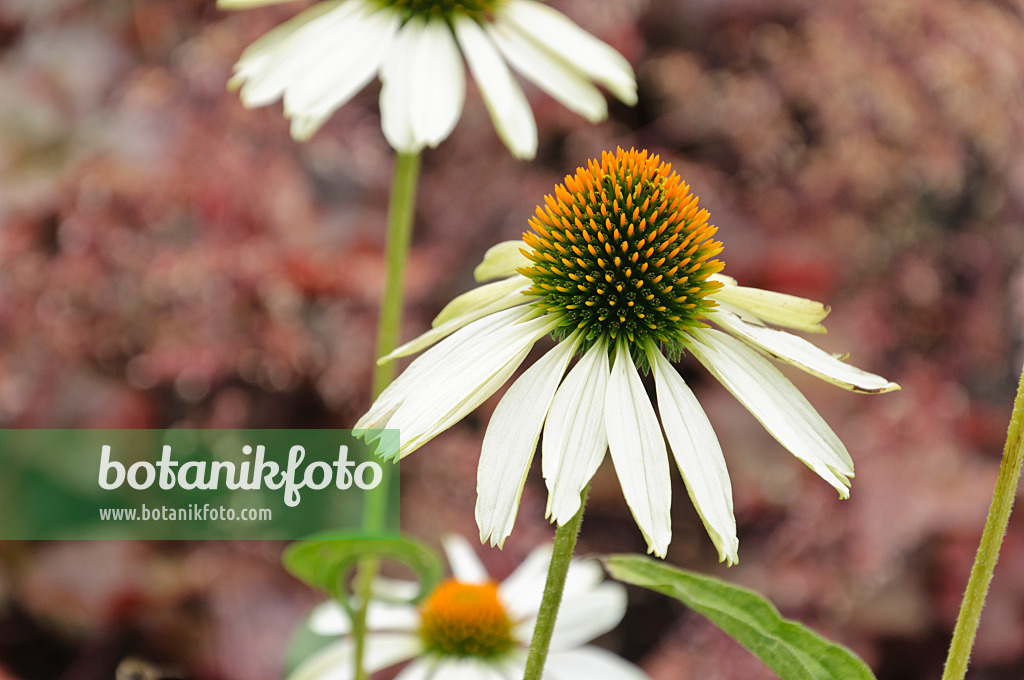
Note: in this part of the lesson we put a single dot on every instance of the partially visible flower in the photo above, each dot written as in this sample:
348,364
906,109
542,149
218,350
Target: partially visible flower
619,268
472,628
320,59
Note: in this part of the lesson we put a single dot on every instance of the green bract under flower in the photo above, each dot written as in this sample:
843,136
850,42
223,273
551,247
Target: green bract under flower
475,9
622,248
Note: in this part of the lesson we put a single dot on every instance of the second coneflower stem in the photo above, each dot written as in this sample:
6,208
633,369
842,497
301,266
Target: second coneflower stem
401,207
991,540
561,557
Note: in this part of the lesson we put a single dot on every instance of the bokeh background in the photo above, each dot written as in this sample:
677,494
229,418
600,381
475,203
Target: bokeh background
168,258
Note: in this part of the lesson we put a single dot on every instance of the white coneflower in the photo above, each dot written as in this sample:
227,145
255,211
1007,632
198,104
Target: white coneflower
472,628
320,59
619,268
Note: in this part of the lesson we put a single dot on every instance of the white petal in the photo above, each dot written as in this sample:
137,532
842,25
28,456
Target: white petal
417,670
521,592
449,390
273,62
329,618
574,438
504,98
779,309
549,73
357,50
481,296
698,455
424,86
555,32
511,298
501,260
581,619
589,663
796,351
397,76
334,662
440,82
467,668
776,403
638,452
465,564
445,351
511,439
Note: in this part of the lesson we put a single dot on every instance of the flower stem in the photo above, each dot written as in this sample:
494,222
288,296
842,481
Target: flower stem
561,555
991,540
400,216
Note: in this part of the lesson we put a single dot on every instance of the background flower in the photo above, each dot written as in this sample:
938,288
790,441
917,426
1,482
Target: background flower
317,62
472,628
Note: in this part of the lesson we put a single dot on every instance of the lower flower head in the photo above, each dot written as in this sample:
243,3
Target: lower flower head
466,619
620,269
470,626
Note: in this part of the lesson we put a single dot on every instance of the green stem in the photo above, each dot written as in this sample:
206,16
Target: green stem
991,540
401,206
561,555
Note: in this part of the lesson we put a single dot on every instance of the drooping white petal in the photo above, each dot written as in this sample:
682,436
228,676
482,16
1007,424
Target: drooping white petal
638,452
779,309
588,663
397,77
465,564
511,439
555,32
581,619
450,390
776,403
796,351
329,618
698,456
504,98
574,441
480,297
273,62
334,662
355,55
423,86
449,349
246,4
501,260
549,73
440,81
512,298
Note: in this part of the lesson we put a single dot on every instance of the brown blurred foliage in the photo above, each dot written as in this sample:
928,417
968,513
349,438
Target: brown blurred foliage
168,258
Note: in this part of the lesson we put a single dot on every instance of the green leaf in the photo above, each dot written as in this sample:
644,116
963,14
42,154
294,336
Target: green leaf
325,560
792,650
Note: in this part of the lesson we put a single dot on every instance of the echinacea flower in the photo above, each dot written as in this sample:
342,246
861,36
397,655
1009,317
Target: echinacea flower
619,268
472,628
320,59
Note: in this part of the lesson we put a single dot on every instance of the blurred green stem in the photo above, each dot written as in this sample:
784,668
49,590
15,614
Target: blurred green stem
991,540
401,207
561,556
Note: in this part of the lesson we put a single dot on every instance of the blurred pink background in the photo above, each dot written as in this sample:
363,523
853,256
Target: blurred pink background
168,258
